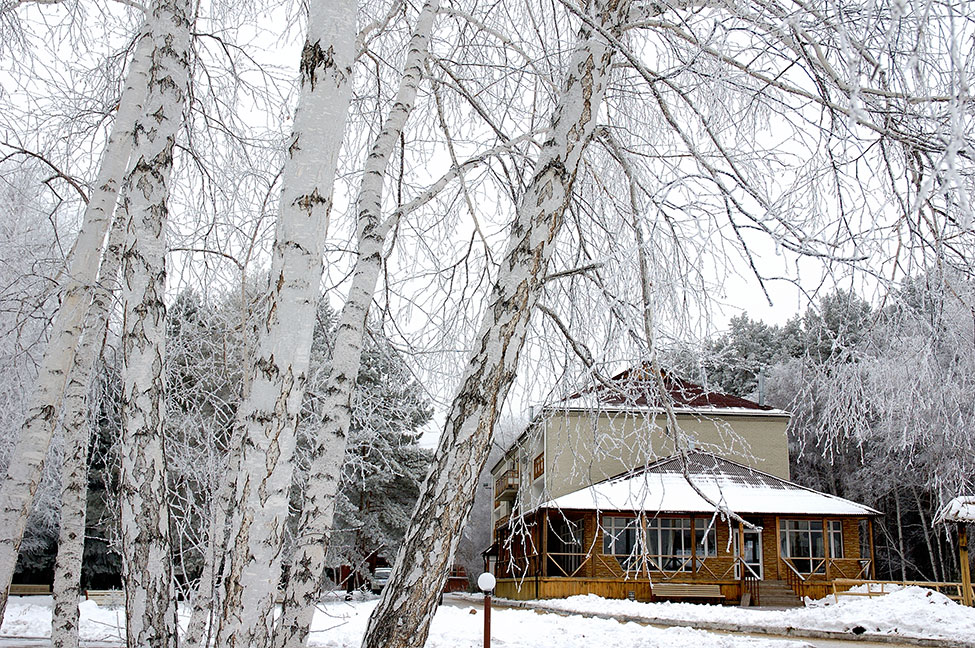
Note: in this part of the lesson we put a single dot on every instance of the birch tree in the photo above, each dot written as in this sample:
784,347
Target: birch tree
268,416
147,569
23,473
77,430
403,615
305,578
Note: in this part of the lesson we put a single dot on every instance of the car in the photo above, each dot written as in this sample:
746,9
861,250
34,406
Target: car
379,578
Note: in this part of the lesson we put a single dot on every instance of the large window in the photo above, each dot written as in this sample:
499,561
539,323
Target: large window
668,546
669,543
802,542
619,536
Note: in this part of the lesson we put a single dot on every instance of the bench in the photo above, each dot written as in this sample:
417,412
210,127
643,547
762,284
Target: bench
106,597
21,589
686,591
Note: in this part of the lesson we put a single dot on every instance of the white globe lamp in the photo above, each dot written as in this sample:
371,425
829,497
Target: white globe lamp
486,582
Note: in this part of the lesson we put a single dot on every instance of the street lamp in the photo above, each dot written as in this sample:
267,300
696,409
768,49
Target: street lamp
486,583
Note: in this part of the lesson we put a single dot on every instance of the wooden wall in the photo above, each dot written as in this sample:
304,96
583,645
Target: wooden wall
546,588
603,573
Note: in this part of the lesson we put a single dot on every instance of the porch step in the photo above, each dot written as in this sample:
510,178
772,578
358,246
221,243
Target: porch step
777,593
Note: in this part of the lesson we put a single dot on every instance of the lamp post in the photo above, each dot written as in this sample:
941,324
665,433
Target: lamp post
486,583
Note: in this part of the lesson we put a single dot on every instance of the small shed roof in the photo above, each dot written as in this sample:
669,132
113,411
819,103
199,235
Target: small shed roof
960,509
735,487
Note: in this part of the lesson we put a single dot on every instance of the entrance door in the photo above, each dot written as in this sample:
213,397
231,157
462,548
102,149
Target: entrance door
753,555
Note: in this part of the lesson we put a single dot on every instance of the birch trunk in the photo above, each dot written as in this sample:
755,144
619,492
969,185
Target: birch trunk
27,458
409,600
308,565
900,534
270,410
205,599
147,569
77,431
927,531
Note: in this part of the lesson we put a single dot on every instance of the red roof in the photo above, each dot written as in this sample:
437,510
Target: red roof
635,387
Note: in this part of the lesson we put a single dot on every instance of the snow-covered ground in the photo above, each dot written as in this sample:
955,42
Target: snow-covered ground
341,624
911,612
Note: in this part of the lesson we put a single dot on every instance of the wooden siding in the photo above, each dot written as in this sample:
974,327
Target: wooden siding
547,588
526,561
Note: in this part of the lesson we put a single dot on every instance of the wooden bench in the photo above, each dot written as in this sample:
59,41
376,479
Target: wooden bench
106,597
21,589
686,591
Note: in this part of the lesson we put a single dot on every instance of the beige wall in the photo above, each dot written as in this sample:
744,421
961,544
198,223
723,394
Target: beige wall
583,448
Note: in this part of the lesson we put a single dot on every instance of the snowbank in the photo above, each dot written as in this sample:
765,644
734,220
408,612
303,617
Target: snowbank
340,624
909,612
30,616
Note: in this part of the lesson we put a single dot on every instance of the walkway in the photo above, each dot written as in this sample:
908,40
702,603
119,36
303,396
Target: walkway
817,638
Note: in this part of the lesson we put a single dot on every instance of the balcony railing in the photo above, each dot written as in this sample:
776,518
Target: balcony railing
507,485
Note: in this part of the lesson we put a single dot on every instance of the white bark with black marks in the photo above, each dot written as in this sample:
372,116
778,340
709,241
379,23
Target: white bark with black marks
269,413
77,433
409,600
147,565
27,458
308,565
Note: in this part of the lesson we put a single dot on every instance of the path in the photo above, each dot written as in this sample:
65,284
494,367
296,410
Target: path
816,638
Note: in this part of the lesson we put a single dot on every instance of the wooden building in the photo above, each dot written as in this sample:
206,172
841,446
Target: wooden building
694,525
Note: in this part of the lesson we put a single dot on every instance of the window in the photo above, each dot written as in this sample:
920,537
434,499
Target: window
802,542
835,538
619,536
539,466
706,545
668,545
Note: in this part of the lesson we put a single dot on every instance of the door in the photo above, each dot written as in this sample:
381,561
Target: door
753,555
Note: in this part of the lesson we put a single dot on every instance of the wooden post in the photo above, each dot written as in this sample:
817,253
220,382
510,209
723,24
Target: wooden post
778,549
827,538
741,553
873,557
543,555
693,545
487,620
966,577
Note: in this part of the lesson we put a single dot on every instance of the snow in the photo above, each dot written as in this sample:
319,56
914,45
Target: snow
960,509
670,492
588,403
913,612
341,624
909,612
30,616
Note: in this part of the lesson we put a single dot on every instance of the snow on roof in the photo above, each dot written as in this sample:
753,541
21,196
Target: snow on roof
635,388
733,486
960,509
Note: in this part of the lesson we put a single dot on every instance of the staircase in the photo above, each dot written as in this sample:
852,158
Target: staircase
777,593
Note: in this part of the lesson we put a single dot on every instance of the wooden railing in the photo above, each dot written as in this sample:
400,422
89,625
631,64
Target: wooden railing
750,586
507,480
816,583
565,564
794,578
880,588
